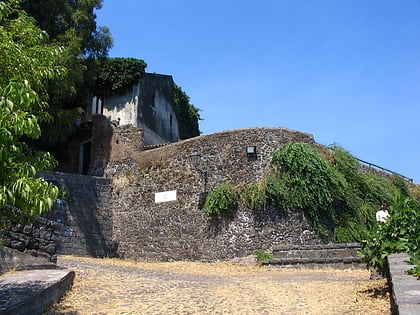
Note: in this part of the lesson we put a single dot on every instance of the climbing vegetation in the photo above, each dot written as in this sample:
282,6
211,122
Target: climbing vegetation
186,113
338,198
221,201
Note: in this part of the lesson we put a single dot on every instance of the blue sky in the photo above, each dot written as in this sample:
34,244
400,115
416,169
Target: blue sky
347,72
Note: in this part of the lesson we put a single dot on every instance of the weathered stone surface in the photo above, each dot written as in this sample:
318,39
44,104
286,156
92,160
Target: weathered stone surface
118,215
11,259
82,223
31,292
179,229
18,245
405,297
33,244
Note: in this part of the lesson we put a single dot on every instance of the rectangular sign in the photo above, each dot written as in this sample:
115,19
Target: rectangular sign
165,196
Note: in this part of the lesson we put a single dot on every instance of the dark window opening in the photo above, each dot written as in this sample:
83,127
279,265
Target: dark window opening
85,157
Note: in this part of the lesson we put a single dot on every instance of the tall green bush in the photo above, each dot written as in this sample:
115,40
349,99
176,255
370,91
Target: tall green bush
400,233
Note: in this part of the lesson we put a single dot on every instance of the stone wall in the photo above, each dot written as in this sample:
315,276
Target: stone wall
83,216
39,239
119,215
178,229
80,222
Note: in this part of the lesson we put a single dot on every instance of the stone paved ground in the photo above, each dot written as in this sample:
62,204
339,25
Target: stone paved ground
111,286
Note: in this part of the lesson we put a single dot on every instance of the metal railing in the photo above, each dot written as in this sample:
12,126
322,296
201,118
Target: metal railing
385,170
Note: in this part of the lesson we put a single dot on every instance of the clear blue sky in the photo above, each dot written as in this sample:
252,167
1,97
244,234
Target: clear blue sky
347,72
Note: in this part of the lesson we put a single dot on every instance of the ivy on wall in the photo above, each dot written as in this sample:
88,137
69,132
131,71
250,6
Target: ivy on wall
187,114
339,199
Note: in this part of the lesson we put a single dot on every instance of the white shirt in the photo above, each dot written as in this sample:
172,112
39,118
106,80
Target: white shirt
382,215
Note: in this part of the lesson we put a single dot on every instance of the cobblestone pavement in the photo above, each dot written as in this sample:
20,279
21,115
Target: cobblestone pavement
111,286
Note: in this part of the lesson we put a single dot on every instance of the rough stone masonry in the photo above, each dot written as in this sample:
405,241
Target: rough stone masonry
119,215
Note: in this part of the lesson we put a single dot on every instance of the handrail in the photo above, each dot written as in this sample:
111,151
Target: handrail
386,170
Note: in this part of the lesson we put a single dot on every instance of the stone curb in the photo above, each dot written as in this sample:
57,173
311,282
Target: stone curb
405,297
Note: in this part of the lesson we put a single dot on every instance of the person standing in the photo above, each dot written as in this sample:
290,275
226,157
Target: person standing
383,213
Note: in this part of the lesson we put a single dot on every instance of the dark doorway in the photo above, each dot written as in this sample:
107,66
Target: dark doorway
85,157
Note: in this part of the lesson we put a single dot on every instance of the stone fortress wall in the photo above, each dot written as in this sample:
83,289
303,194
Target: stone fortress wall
148,206
148,229
120,215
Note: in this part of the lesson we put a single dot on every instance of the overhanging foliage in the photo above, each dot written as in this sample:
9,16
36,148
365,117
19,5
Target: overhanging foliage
26,62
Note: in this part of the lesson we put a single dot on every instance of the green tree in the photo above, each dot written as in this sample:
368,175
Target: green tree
72,24
27,62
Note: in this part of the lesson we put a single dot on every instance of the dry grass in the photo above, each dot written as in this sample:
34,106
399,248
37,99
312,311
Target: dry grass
111,286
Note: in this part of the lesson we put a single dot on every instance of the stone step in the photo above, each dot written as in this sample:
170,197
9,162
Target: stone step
327,254
296,261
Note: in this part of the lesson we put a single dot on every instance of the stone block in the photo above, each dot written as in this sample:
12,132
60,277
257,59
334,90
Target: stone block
36,232
42,221
17,228
27,229
55,226
57,237
45,235
311,254
340,253
18,245
43,255
19,237
49,248
32,252
33,244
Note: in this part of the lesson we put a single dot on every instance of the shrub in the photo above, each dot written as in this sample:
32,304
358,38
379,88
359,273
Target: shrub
263,255
254,196
400,233
401,184
275,192
222,200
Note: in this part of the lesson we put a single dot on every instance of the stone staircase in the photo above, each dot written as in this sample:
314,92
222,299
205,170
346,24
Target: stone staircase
316,256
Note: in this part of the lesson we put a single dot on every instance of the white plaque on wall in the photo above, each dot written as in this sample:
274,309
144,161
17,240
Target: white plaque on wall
165,196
